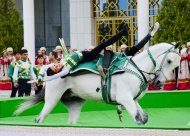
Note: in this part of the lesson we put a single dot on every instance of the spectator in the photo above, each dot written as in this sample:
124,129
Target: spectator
11,70
10,54
53,57
23,72
59,51
183,73
24,48
5,62
123,47
5,82
36,61
46,59
40,86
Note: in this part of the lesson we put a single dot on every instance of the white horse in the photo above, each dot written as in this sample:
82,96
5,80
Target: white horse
160,59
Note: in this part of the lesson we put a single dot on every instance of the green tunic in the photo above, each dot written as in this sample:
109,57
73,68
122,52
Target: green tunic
11,68
72,60
36,70
24,70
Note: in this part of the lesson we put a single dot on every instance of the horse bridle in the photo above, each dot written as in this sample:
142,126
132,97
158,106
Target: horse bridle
161,66
154,63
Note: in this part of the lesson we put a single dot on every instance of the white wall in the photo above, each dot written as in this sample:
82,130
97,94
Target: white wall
82,31
143,19
29,28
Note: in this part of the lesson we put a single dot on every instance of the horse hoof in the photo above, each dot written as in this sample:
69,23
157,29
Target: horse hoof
37,120
138,119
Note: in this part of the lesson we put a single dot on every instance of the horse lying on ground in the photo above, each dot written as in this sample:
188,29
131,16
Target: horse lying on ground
126,87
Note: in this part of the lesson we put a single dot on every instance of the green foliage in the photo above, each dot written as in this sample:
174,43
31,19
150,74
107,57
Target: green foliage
11,27
174,19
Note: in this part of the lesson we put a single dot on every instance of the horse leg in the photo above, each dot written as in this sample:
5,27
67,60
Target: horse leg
51,99
131,107
143,114
74,108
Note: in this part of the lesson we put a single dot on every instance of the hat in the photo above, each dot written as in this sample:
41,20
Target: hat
107,48
24,48
58,47
43,48
188,44
10,49
123,46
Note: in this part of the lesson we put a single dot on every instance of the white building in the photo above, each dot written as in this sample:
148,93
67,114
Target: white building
83,22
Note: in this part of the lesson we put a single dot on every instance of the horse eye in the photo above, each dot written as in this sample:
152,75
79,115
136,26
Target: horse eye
169,61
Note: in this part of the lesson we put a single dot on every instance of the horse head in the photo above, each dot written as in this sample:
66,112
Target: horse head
165,63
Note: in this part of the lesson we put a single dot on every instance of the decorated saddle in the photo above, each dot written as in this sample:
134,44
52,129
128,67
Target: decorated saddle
117,61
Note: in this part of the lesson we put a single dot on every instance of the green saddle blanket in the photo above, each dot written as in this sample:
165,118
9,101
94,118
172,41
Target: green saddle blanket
117,61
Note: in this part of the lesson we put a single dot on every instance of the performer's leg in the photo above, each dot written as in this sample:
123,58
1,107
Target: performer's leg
88,56
141,44
107,59
21,88
137,47
14,89
27,88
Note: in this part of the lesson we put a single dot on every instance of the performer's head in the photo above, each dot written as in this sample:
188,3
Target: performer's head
43,49
17,55
59,49
24,54
56,68
40,59
53,55
9,51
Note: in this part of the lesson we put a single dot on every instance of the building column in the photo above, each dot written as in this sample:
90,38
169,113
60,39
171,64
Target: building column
143,19
82,31
29,28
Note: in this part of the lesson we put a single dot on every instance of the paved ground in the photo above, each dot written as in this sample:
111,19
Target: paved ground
68,131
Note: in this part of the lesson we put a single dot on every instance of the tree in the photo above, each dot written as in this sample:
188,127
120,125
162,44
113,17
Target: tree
11,27
174,19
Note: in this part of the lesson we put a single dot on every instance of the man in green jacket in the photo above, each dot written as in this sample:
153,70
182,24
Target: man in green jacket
23,72
11,70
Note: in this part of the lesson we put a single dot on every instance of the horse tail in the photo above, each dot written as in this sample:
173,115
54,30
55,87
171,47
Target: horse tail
29,102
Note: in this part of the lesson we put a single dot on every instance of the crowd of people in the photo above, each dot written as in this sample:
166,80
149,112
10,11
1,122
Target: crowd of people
180,77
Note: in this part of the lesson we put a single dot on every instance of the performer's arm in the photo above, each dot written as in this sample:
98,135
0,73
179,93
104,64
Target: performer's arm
63,72
43,71
15,74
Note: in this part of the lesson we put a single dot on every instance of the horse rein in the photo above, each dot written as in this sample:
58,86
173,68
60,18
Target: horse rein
161,66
